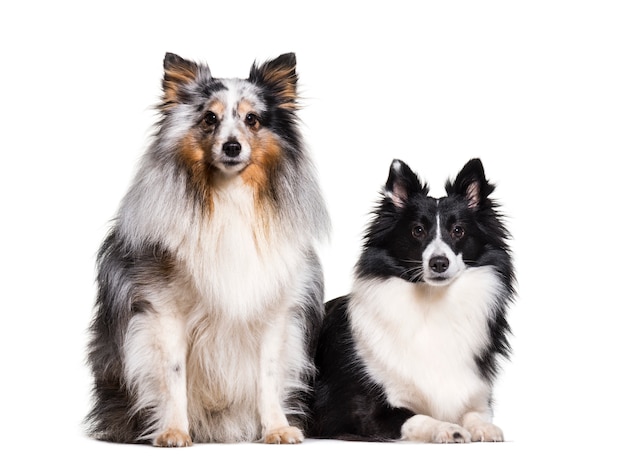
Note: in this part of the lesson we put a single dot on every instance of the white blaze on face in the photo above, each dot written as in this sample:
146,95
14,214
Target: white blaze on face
237,101
441,264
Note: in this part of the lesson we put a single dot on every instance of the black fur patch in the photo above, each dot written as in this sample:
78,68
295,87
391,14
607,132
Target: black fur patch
348,405
122,276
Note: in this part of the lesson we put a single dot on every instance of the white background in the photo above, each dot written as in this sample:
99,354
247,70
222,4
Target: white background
536,89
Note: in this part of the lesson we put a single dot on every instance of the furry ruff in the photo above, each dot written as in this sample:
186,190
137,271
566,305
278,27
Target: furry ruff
413,351
210,291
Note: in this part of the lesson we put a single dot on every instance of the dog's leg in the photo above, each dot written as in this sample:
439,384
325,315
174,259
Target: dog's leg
426,429
155,368
276,428
481,428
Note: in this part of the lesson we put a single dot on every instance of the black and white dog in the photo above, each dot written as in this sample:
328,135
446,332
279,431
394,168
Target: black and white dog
412,352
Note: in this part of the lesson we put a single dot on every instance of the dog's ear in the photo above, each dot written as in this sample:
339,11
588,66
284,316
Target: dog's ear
279,77
177,72
472,184
403,183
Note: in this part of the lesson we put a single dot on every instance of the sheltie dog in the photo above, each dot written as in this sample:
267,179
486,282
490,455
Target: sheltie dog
210,291
412,352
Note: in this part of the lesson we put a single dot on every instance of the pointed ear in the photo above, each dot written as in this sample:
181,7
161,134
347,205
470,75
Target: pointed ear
178,72
472,184
279,77
402,183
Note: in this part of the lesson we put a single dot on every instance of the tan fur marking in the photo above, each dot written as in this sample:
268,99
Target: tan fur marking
285,80
191,151
192,154
180,75
175,77
265,156
217,107
243,109
266,152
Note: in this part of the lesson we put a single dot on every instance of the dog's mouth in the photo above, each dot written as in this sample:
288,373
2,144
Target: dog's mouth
232,165
438,280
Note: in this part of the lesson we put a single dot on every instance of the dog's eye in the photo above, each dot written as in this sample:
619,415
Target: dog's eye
251,119
210,119
458,232
419,232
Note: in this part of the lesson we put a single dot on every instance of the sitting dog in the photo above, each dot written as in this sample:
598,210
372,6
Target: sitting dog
210,291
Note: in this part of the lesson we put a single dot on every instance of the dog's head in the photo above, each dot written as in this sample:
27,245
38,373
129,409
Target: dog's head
423,239
229,126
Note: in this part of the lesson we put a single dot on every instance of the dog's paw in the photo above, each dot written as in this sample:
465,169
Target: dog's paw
450,433
428,430
173,438
486,432
284,435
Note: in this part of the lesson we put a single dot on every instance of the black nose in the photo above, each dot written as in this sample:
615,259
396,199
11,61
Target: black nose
232,149
439,264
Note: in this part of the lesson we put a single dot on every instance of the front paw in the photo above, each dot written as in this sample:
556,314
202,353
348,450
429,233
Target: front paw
486,432
450,433
284,435
173,438
428,430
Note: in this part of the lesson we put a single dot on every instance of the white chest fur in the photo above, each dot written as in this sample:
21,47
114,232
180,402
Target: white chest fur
241,259
243,265
419,341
